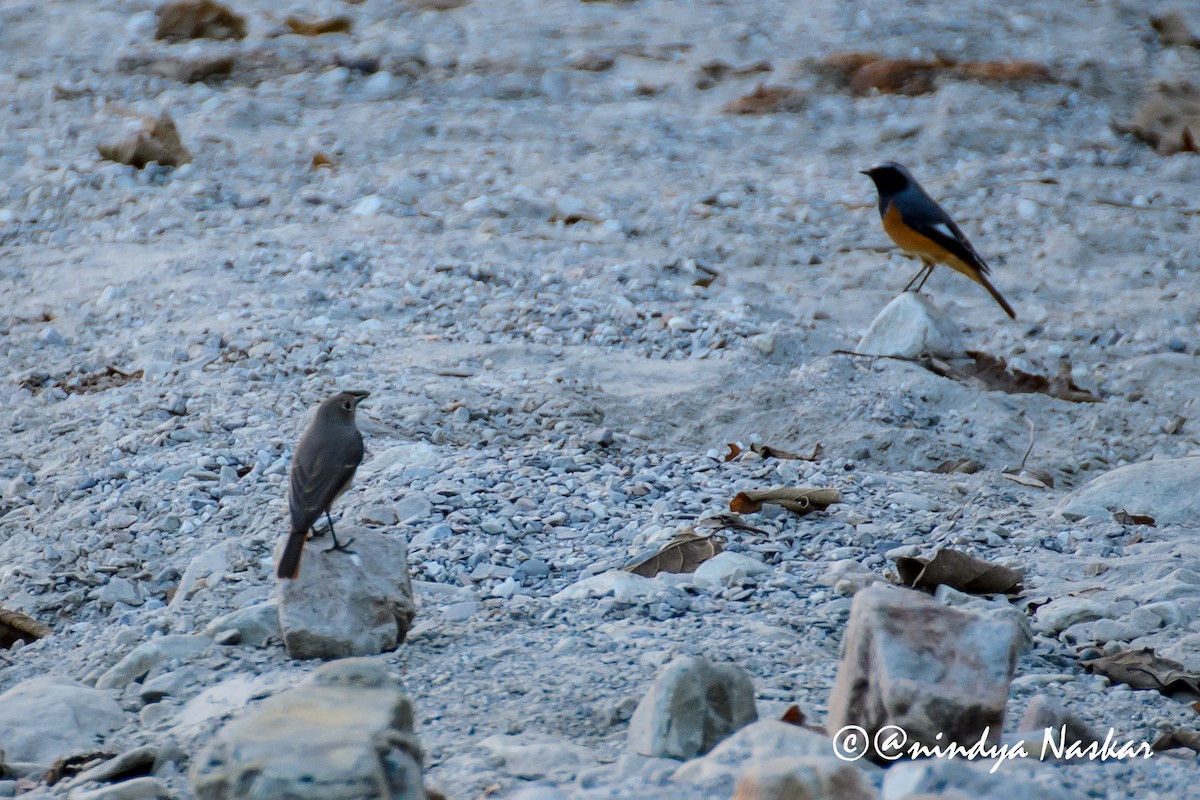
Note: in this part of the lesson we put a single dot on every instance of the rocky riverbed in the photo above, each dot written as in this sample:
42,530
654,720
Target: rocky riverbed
570,273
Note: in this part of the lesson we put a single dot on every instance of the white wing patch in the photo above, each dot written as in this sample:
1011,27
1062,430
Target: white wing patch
944,229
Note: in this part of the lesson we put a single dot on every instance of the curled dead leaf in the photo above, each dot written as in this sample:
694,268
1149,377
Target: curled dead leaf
1125,518
318,27
1142,669
797,499
682,554
157,141
17,626
957,570
768,100
964,466
198,19
793,716
1033,478
993,373
320,160
907,76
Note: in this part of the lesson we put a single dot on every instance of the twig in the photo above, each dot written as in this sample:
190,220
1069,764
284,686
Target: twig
909,359
1122,204
1029,449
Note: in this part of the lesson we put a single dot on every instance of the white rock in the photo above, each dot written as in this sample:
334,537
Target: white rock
255,624
725,568
758,741
148,655
624,586
347,604
42,719
1166,489
691,706
367,206
909,326
209,565
537,757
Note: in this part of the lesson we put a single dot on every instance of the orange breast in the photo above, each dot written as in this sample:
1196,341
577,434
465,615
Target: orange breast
920,246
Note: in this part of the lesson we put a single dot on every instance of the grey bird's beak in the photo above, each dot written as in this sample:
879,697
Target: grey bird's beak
359,396
864,172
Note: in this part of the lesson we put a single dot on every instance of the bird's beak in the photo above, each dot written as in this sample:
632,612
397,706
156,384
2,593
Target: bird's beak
864,172
359,395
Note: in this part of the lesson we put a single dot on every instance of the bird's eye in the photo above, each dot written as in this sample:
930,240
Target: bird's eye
347,405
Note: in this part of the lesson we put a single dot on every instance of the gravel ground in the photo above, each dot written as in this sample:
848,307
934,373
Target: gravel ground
509,253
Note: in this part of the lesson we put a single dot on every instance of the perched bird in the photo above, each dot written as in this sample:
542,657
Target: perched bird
924,230
329,452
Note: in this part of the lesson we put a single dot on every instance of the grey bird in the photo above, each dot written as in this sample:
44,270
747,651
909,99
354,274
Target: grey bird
329,452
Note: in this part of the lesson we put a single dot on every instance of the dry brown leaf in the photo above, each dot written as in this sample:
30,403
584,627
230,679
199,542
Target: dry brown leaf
17,626
318,27
793,716
964,466
734,451
158,140
1168,119
768,100
682,554
198,19
993,373
766,451
1125,518
797,499
1141,669
70,765
1180,737
1173,30
957,570
320,160
1002,71
1026,478
908,76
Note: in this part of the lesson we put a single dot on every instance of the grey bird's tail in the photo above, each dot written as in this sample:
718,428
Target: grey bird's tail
289,564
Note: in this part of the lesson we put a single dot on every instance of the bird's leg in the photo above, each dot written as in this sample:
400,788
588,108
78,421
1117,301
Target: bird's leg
926,268
928,272
345,548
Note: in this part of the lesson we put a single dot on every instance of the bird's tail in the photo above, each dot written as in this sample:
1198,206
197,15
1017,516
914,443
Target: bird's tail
289,563
999,298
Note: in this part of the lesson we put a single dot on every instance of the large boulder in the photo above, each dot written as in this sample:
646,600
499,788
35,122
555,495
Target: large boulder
43,719
1167,489
348,604
940,674
691,706
346,735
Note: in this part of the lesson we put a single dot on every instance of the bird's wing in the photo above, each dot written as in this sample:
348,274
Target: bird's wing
931,221
315,482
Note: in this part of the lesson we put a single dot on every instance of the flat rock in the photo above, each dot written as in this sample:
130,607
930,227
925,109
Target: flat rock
726,567
763,740
971,779
938,673
345,735
348,604
623,586
148,655
909,326
254,624
805,778
135,789
43,719
1166,489
692,705
539,757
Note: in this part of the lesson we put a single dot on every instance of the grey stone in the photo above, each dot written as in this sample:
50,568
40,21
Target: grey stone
909,326
1166,489
972,779
691,706
804,778
209,565
758,741
46,718
179,684
1044,716
938,673
726,568
136,789
149,654
346,735
623,586
533,757
255,624
348,604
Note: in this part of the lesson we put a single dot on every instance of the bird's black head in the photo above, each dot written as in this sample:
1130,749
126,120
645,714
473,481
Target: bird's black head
889,178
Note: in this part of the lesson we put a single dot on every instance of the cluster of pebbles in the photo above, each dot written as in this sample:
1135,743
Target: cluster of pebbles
568,286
